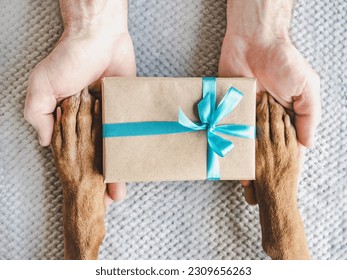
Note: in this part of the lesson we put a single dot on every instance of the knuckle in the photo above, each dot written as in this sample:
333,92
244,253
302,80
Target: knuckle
85,104
263,114
84,120
65,104
276,109
67,120
262,108
277,125
86,97
70,104
28,115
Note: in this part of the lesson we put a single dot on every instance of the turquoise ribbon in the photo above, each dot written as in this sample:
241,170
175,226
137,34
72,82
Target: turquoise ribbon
209,117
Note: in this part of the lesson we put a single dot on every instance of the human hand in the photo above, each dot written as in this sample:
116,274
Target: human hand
280,70
95,43
257,45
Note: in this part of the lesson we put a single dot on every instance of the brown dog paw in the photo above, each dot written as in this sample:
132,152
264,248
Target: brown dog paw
77,151
76,142
277,159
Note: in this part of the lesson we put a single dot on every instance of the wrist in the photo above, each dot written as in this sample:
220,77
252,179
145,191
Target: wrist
259,20
273,195
78,190
275,204
99,17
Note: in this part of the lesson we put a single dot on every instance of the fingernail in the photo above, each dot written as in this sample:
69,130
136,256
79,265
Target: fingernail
41,142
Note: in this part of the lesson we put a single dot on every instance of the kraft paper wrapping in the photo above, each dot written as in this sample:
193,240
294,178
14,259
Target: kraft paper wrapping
171,157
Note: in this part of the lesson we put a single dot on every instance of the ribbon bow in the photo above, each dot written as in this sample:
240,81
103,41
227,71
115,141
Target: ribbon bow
209,117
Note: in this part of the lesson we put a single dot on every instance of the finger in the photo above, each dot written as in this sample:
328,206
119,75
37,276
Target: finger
40,103
290,134
249,193
276,122
307,108
56,138
70,107
84,123
245,183
263,133
96,126
305,126
107,199
116,191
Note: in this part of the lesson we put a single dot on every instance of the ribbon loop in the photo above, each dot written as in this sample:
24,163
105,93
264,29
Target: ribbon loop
230,100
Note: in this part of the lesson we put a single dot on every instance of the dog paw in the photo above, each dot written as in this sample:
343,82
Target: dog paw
76,140
276,148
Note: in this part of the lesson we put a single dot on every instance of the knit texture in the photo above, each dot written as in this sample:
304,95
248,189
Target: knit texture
169,220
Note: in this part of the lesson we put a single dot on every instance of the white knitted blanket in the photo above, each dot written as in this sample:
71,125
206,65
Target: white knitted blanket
169,220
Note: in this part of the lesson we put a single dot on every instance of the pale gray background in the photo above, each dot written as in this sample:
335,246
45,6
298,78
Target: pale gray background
187,220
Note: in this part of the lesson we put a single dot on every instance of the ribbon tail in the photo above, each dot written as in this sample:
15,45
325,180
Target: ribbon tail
213,170
218,144
231,99
237,130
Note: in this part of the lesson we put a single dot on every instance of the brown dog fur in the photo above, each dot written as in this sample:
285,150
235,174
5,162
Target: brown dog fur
277,173
77,151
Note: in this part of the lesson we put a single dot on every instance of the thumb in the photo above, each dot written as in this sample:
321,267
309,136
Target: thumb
115,192
39,106
307,108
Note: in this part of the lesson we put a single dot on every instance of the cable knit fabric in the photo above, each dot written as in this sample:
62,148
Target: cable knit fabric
169,220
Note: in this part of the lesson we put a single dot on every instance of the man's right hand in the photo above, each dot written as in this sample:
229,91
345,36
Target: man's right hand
90,48
95,43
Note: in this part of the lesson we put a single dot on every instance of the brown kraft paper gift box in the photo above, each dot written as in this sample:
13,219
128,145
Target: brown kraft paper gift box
172,157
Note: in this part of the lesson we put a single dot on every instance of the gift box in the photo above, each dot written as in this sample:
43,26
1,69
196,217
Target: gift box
171,129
